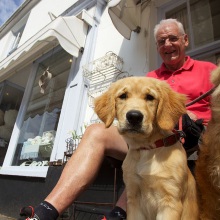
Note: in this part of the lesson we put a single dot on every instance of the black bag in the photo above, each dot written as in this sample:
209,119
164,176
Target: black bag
192,130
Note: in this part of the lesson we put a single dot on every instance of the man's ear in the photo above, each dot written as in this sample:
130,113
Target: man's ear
186,39
171,106
105,107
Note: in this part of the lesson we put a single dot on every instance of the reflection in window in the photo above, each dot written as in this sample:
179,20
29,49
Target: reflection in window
41,119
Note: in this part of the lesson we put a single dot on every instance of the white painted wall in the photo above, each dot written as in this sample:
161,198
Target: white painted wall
39,16
139,53
133,51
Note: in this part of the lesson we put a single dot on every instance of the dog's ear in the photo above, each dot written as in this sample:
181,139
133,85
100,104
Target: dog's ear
171,106
105,107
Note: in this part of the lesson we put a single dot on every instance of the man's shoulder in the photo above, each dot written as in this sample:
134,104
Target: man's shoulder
154,73
202,63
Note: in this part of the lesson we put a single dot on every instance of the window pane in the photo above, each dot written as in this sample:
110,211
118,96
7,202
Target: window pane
180,13
10,100
205,15
42,116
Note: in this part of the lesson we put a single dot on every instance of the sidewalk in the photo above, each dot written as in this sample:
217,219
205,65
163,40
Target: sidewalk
2,217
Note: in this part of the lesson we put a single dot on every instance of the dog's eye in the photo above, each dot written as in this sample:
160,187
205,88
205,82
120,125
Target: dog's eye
149,97
123,96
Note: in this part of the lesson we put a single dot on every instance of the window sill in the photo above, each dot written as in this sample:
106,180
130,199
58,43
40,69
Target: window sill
24,171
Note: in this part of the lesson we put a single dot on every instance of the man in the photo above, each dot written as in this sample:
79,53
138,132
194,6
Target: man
184,74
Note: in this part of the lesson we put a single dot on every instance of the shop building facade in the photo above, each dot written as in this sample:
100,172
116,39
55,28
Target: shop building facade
56,56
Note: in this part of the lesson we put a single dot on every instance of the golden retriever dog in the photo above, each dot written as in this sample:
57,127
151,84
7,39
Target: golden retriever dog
207,170
158,182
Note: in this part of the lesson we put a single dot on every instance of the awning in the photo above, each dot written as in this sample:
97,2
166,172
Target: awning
70,32
126,15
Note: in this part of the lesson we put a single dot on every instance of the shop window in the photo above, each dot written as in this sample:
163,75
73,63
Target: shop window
38,130
10,100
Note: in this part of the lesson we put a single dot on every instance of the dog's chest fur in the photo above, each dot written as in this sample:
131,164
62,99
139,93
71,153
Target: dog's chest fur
154,170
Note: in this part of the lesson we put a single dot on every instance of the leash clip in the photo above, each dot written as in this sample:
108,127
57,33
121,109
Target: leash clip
182,136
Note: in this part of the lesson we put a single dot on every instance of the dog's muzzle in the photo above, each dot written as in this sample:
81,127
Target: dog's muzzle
134,117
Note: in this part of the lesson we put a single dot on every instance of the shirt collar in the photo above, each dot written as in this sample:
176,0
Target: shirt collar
186,66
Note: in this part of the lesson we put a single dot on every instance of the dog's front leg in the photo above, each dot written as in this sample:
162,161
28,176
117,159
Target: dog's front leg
173,212
133,210
132,183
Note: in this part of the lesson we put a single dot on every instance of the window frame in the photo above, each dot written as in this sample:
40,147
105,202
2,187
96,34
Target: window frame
16,34
35,171
17,37
196,53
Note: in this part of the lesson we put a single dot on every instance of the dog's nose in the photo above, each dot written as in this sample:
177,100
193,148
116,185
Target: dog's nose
134,117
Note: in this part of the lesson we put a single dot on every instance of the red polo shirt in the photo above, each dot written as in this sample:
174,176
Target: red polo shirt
193,80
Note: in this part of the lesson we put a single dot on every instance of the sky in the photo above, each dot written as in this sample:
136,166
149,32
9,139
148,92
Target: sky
7,8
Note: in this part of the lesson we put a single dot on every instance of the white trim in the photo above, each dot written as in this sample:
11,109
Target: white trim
85,16
205,50
77,92
32,171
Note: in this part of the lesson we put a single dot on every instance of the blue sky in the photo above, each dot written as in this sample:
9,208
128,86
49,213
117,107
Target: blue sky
7,8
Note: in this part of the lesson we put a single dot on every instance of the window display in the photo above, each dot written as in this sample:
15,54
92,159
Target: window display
41,118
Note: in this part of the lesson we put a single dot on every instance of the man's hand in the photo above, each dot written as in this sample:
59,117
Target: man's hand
192,116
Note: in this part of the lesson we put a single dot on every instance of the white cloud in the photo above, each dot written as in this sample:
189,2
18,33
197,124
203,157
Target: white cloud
7,8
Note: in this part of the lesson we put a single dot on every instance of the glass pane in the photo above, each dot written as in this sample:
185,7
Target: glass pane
10,96
41,119
180,13
10,101
205,15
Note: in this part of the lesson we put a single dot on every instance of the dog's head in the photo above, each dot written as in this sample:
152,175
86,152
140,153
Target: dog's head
140,104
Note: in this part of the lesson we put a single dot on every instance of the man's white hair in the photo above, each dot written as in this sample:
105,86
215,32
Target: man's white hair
169,21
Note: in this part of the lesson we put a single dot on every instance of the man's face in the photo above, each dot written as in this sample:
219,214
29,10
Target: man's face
171,45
